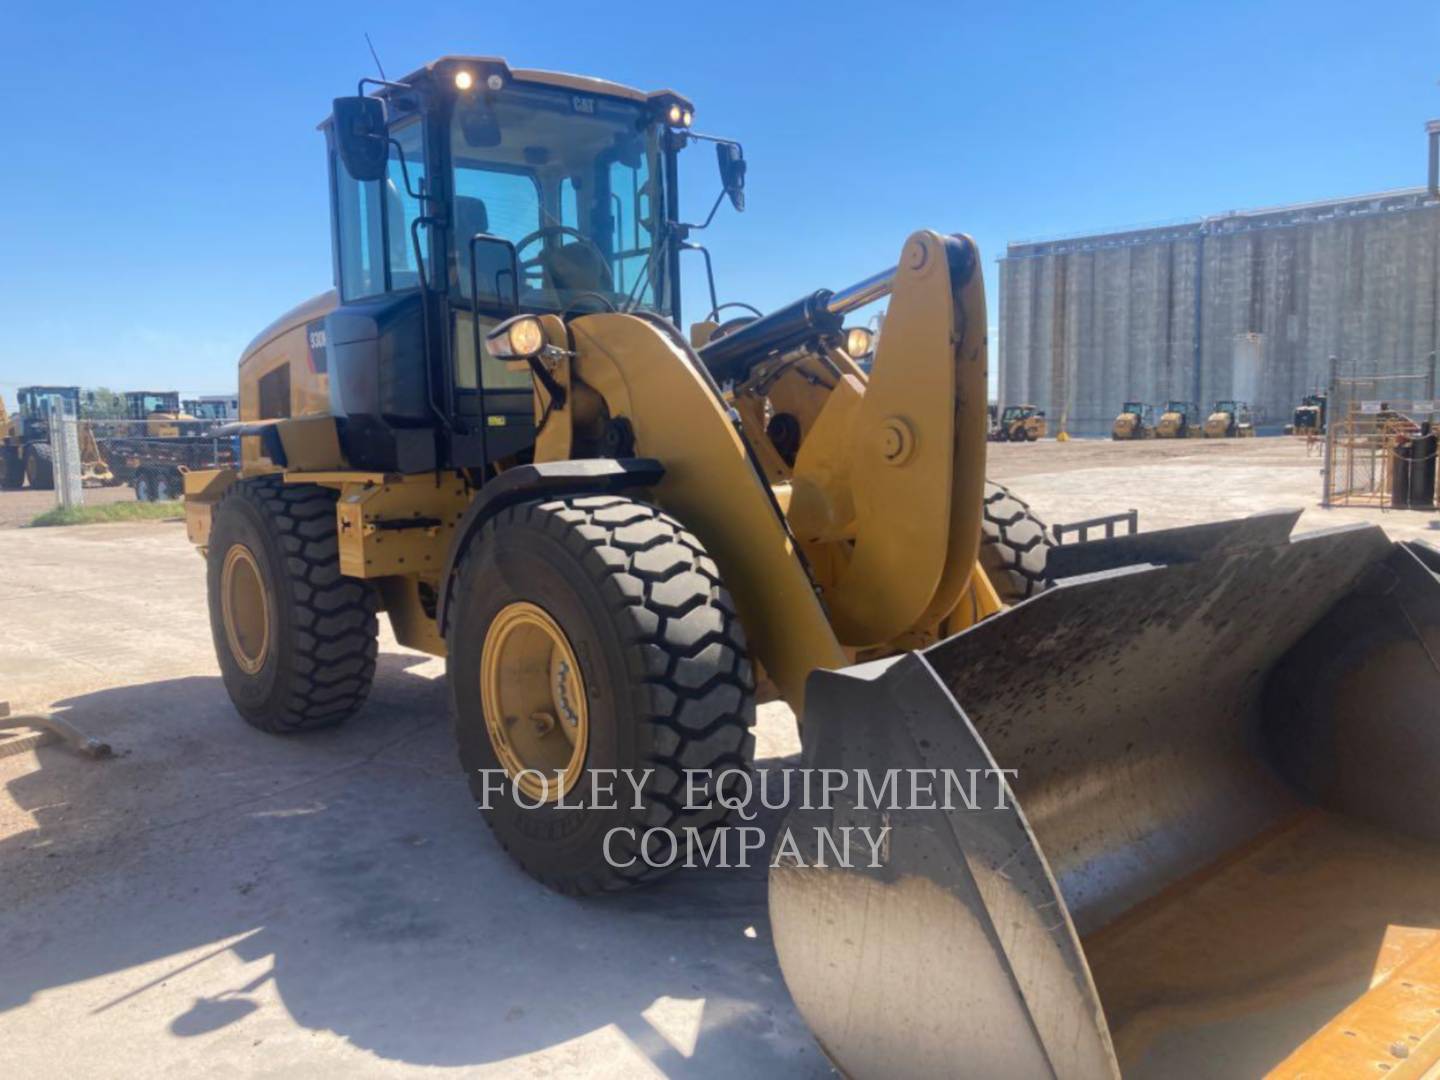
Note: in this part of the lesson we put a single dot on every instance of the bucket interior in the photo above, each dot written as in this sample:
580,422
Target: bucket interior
1232,769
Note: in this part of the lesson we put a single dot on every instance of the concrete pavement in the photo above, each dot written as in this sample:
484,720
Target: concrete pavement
219,900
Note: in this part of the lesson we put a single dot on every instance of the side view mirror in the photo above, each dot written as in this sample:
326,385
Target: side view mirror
732,172
361,137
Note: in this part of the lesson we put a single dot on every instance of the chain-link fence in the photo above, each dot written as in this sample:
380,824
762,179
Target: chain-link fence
48,445
1380,439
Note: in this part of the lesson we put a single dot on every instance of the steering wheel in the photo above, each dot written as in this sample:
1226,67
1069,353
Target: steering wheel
536,262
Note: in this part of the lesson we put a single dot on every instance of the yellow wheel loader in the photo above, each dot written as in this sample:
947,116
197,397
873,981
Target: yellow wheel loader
1136,421
1178,420
1020,423
1229,420
157,414
1309,418
25,453
493,432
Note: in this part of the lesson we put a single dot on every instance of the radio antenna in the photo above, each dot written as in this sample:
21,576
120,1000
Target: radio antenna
376,58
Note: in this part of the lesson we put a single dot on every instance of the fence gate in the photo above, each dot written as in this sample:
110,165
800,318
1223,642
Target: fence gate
1379,446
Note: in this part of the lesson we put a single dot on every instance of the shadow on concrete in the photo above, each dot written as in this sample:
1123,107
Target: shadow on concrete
354,864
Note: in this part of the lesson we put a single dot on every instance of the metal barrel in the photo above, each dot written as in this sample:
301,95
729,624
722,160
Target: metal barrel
1222,746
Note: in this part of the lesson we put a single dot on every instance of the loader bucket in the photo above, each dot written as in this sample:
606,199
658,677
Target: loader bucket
1218,853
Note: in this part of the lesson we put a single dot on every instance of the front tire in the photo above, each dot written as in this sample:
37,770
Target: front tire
664,684
39,468
1014,545
296,640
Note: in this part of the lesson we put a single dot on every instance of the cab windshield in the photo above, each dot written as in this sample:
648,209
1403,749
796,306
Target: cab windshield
1133,407
143,404
572,180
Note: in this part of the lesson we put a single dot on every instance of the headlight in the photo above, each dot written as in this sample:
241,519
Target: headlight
464,80
859,342
521,338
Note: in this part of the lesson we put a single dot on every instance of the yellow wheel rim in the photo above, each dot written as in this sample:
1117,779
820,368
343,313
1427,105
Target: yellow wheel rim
533,696
245,609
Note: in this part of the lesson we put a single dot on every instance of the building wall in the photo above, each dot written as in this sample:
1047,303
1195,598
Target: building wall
1086,323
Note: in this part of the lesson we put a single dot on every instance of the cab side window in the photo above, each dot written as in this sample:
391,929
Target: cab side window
358,234
402,208
373,221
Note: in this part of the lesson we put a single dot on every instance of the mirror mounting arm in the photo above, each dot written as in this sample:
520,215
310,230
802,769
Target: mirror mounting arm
682,230
418,196
367,81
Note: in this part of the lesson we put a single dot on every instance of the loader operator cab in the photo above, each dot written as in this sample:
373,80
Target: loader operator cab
32,407
465,194
155,412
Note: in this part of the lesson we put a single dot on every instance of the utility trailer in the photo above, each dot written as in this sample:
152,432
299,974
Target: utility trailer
154,465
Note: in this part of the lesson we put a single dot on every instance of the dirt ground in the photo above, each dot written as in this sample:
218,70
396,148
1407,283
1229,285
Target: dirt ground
1183,482
216,899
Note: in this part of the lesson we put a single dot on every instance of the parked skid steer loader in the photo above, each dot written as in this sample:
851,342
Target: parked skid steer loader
493,432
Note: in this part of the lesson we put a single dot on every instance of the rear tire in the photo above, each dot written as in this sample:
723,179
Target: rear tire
665,678
1014,545
39,469
296,640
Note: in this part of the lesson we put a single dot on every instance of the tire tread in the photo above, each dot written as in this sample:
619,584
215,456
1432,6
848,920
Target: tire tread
333,622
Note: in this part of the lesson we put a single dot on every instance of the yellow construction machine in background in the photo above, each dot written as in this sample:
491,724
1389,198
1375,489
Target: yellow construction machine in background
1178,420
25,453
157,414
1020,423
1136,421
493,432
1229,420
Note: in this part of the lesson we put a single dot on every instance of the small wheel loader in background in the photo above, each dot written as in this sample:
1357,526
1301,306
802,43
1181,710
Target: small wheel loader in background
1178,420
1309,418
1136,421
1229,420
1020,423
494,433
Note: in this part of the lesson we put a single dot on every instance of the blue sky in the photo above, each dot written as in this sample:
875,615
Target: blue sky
165,196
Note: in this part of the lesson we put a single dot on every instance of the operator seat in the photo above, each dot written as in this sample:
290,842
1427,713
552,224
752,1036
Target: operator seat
493,268
576,268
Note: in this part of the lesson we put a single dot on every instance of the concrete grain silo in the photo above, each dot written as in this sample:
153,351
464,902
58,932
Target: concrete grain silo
1249,305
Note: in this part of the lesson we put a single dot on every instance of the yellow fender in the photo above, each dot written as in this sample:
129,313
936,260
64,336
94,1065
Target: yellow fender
650,379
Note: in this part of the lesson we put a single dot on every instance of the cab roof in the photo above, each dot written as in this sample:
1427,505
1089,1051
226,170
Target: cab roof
484,66
584,83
